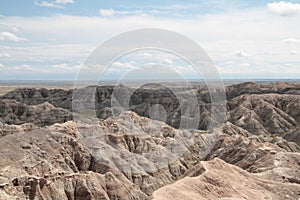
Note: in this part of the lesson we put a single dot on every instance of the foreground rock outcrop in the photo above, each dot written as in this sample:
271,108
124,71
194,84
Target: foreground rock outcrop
130,157
109,160
219,180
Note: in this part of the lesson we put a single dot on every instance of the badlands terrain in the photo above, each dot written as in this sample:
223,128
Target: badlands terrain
245,148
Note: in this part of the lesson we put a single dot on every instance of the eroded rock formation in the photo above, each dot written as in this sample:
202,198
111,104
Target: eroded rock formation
254,155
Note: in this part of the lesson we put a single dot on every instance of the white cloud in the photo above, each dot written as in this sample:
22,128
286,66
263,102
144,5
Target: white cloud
291,40
47,55
11,37
251,71
244,64
28,68
145,54
107,12
48,4
241,53
4,55
61,66
283,8
122,66
168,61
14,29
51,39
221,36
293,52
65,66
23,68
64,1
149,71
1,66
53,4
117,64
6,48
9,28
111,12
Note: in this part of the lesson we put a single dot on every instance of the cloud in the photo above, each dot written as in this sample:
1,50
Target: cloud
14,29
28,68
241,53
291,40
145,54
65,66
9,28
221,36
64,1
293,52
168,61
123,66
48,4
107,12
244,64
111,12
53,4
1,66
43,56
23,68
184,9
149,71
253,71
11,37
61,66
283,8
4,55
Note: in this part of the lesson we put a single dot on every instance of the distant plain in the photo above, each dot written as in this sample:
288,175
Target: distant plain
10,85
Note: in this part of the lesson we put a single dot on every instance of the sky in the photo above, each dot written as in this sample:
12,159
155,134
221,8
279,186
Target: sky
51,39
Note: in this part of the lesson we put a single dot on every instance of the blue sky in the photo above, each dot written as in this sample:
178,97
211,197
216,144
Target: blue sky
91,7
245,39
